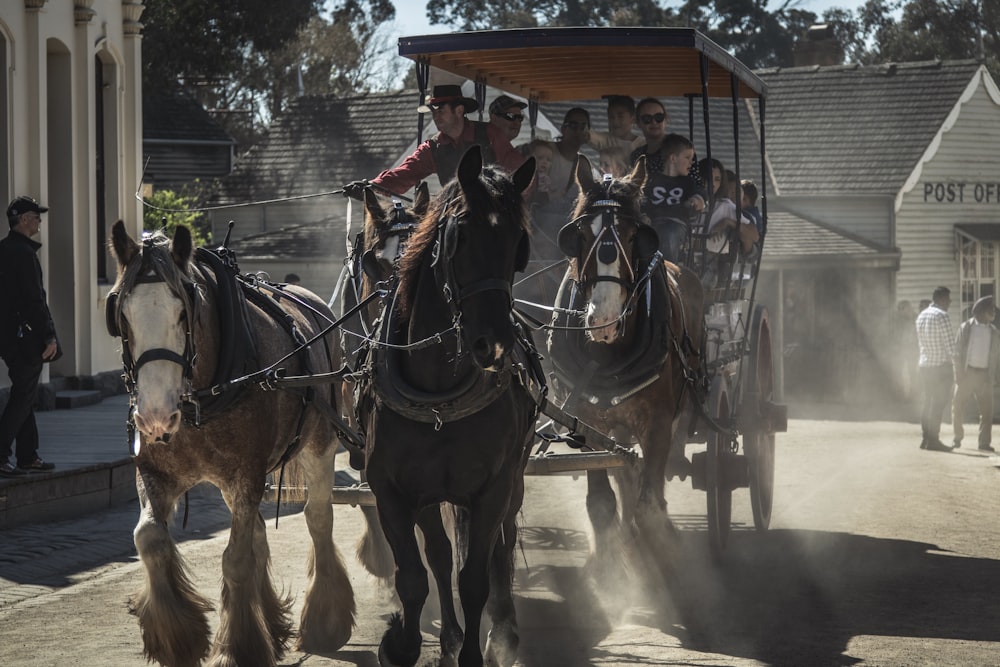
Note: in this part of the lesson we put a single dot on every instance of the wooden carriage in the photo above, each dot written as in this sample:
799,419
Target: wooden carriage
738,417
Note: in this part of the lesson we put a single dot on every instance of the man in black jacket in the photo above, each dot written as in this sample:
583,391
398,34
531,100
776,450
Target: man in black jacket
27,335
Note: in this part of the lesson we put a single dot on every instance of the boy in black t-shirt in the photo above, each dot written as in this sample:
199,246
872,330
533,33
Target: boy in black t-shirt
670,199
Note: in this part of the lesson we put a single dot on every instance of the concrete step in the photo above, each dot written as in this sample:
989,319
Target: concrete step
76,398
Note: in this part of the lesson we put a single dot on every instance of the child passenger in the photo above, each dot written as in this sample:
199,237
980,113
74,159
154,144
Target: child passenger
672,198
722,222
612,161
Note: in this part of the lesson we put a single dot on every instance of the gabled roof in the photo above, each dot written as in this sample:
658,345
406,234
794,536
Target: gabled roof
322,143
177,117
796,242
856,129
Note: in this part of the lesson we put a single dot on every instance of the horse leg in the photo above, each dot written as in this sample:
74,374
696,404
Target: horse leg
485,522
503,641
373,550
400,645
438,550
171,613
252,625
602,508
328,609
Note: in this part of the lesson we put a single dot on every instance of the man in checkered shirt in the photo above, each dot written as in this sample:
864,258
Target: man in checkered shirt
936,339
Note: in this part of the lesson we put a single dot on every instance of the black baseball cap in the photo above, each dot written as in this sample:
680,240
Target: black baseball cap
21,205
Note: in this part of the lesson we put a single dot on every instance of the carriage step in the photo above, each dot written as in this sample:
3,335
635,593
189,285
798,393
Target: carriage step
573,462
736,474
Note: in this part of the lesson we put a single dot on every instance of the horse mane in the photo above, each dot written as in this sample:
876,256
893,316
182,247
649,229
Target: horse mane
494,199
155,258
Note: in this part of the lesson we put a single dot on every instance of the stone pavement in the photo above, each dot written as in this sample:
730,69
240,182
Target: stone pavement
93,467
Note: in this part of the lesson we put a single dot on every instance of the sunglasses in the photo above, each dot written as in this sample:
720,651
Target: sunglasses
649,119
514,118
576,124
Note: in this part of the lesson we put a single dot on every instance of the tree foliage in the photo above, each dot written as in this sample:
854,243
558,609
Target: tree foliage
165,209
897,31
245,59
763,33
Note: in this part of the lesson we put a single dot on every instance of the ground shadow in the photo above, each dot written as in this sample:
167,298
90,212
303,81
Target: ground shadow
785,597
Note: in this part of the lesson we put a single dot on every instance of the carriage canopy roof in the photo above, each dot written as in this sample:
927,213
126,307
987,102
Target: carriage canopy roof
553,64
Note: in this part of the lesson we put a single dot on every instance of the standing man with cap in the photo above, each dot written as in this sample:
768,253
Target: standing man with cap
27,335
441,153
936,339
977,362
506,113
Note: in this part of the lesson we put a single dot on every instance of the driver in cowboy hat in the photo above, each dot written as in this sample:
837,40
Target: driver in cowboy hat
441,153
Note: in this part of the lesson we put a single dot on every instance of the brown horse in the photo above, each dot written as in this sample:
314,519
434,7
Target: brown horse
186,324
449,415
625,367
373,262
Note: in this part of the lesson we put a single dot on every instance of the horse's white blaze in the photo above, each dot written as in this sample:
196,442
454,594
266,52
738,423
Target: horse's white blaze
607,299
154,321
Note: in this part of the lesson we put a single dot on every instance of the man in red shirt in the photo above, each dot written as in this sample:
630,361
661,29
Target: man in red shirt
441,153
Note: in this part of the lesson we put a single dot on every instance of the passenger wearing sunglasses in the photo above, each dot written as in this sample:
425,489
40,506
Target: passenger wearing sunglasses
507,114
653,119
621,126
441,153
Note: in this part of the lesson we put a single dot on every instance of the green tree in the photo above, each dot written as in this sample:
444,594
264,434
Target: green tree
899,31
165,209
249,56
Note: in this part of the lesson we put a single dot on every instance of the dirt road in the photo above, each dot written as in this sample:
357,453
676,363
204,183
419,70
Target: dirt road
879,554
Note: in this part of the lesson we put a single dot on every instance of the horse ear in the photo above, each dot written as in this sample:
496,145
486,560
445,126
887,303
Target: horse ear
181,246
584,173
570,240
372,205
470,166
421,199
524,174
123,247
638,175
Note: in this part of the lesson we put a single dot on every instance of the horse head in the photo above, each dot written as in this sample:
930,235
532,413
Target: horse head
387,229
152,307
476,236
609,245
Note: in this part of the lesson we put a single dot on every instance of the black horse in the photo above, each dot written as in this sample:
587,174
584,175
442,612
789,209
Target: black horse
449,412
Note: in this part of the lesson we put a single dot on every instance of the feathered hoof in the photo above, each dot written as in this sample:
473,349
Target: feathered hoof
501,647
389,653
323,643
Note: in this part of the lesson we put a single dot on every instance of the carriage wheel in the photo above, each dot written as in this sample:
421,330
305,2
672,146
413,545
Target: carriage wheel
758,440
719,460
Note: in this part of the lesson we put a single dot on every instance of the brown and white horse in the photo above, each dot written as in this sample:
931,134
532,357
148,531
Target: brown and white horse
175,316
625,367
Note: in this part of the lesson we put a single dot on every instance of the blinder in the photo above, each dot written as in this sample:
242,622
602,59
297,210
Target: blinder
570,240
111,315
647,241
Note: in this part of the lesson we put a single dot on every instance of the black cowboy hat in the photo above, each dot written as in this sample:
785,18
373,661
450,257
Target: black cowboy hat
446,94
